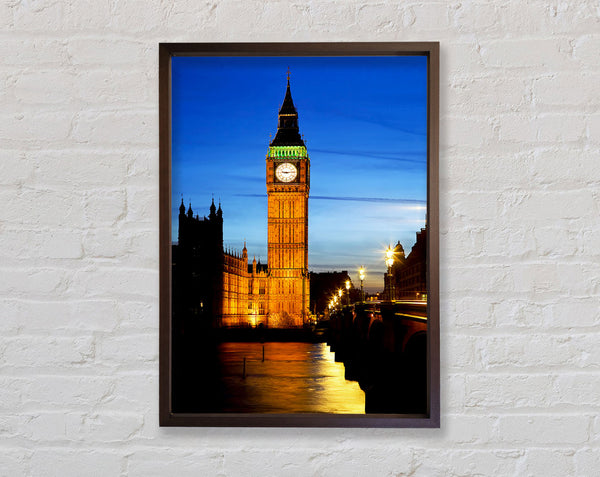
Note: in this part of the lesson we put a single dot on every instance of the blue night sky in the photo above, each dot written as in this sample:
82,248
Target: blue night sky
364,124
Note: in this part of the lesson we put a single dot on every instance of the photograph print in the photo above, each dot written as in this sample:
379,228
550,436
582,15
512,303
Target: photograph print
298,228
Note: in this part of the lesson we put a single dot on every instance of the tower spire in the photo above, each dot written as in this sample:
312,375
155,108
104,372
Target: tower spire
288,132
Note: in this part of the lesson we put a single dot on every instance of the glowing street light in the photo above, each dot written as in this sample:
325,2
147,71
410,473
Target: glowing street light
362,273
389,257
348,290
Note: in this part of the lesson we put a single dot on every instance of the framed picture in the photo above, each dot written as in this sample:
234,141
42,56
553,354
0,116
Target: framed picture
299,234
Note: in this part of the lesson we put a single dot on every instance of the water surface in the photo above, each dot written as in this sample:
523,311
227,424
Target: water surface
293,378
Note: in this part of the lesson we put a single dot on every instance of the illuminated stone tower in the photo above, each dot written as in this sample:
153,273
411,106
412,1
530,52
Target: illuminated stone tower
288,183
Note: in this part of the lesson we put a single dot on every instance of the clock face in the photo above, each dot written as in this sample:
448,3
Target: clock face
286,172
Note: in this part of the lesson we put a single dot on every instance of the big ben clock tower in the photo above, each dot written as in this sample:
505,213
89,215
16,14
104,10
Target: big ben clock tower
288,183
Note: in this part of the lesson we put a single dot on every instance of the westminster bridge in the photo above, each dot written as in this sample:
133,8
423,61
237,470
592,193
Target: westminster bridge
383,346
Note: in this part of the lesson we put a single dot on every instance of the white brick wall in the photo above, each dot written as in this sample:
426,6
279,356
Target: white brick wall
520,243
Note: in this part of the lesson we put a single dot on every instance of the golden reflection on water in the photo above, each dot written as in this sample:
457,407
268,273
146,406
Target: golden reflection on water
293,378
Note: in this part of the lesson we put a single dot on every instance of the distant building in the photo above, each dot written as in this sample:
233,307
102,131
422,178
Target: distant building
390,291
410,273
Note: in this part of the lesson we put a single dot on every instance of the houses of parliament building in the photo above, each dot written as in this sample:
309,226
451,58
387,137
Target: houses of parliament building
221,287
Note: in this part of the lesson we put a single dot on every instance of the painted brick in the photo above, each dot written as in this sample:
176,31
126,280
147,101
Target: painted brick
594,128
24,127
45,87
382,16
578,389
542,54
105,206
550,206
512,314
160,461
561,128
453,393
142,205
549,351
138,315
570,166
587,461
471,462
87,15
466,131
591,242
79,169
131,350
178,15
470,313
56,392
326,14
76,462
581,312
100,52
44,15
43,208
15,463
115,427
133,391
538,461
31,282
585,49
471,430
539,429
482,14
104,283
558,89
115,88
108,128
427,17
29,316
502,391
543,129
21,52
46,353
468,93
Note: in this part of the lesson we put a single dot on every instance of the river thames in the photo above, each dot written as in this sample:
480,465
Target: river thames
292,378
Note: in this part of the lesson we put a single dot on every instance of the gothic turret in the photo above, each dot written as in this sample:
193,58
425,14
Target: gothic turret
213,209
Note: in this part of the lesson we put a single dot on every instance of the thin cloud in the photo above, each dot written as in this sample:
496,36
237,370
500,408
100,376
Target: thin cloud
419,158
371,199
353,199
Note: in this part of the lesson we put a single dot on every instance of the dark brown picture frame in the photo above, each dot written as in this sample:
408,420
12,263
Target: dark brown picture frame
431,419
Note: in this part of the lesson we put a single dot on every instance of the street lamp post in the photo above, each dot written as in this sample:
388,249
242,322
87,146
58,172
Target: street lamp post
389,261
348,290
361,274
